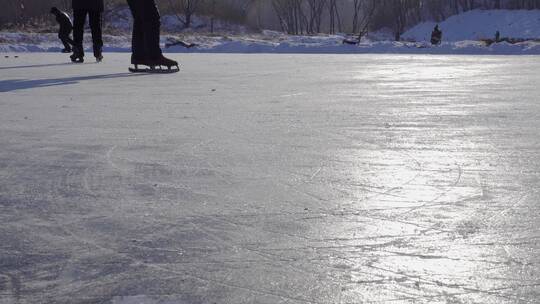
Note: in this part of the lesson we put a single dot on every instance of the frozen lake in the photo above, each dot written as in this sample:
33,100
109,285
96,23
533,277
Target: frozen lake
270,179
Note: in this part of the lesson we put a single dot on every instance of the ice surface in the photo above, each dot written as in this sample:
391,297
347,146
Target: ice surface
270,179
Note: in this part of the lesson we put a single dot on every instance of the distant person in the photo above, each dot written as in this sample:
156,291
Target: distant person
145,41
65,28
436,36
94,10
498,36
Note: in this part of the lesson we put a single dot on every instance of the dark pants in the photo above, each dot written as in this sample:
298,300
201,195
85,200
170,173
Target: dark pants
78,31
63,34
146,26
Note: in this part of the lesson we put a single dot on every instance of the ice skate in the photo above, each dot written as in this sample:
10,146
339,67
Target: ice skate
78,55
99,56
166,62
98,53
75,58
137,62
154,66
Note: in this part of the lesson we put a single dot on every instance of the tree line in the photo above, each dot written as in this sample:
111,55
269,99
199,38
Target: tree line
359,16
294,17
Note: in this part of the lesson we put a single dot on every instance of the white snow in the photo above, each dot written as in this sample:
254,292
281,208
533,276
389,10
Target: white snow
270,179
482,24
271,42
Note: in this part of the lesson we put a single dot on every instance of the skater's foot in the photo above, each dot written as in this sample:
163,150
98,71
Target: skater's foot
98,53
76,58
154,65
163,61
141,61
78,54
159,62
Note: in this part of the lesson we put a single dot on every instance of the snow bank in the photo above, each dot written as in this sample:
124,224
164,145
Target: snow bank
271,42
481,24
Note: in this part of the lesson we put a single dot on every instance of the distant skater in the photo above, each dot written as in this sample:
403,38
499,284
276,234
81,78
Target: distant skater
65,28
94,10
436,36
145,41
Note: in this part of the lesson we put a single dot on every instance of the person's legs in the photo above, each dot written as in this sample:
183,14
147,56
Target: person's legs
151,27
69,40
146,30
66,41
79,20
137,40
95,26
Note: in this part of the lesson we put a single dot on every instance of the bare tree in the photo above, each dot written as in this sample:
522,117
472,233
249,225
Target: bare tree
334,16
212,16
185,9
402,14
363,13
316,10
291,15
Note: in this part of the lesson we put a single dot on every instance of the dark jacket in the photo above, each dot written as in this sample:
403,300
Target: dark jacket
90,5
64,21
436,36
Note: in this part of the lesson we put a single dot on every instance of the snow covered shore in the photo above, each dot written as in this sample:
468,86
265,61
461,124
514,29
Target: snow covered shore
274,43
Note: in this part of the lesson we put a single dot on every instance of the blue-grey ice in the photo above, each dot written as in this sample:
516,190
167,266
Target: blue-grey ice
270,179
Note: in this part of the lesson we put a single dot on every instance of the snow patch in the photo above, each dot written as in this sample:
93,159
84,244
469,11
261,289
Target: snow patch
272,43
482,24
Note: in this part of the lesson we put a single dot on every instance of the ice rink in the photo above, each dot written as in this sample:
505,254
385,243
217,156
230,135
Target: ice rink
270,179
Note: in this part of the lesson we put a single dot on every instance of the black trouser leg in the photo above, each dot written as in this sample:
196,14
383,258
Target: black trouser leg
79,20
95,26
66,40
152,25
146,27
67,45
137,39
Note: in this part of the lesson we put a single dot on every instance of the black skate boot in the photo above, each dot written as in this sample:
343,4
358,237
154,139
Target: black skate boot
136,62
75,58
99,55
78,55
166,62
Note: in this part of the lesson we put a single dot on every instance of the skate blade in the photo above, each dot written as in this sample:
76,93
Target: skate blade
155,70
